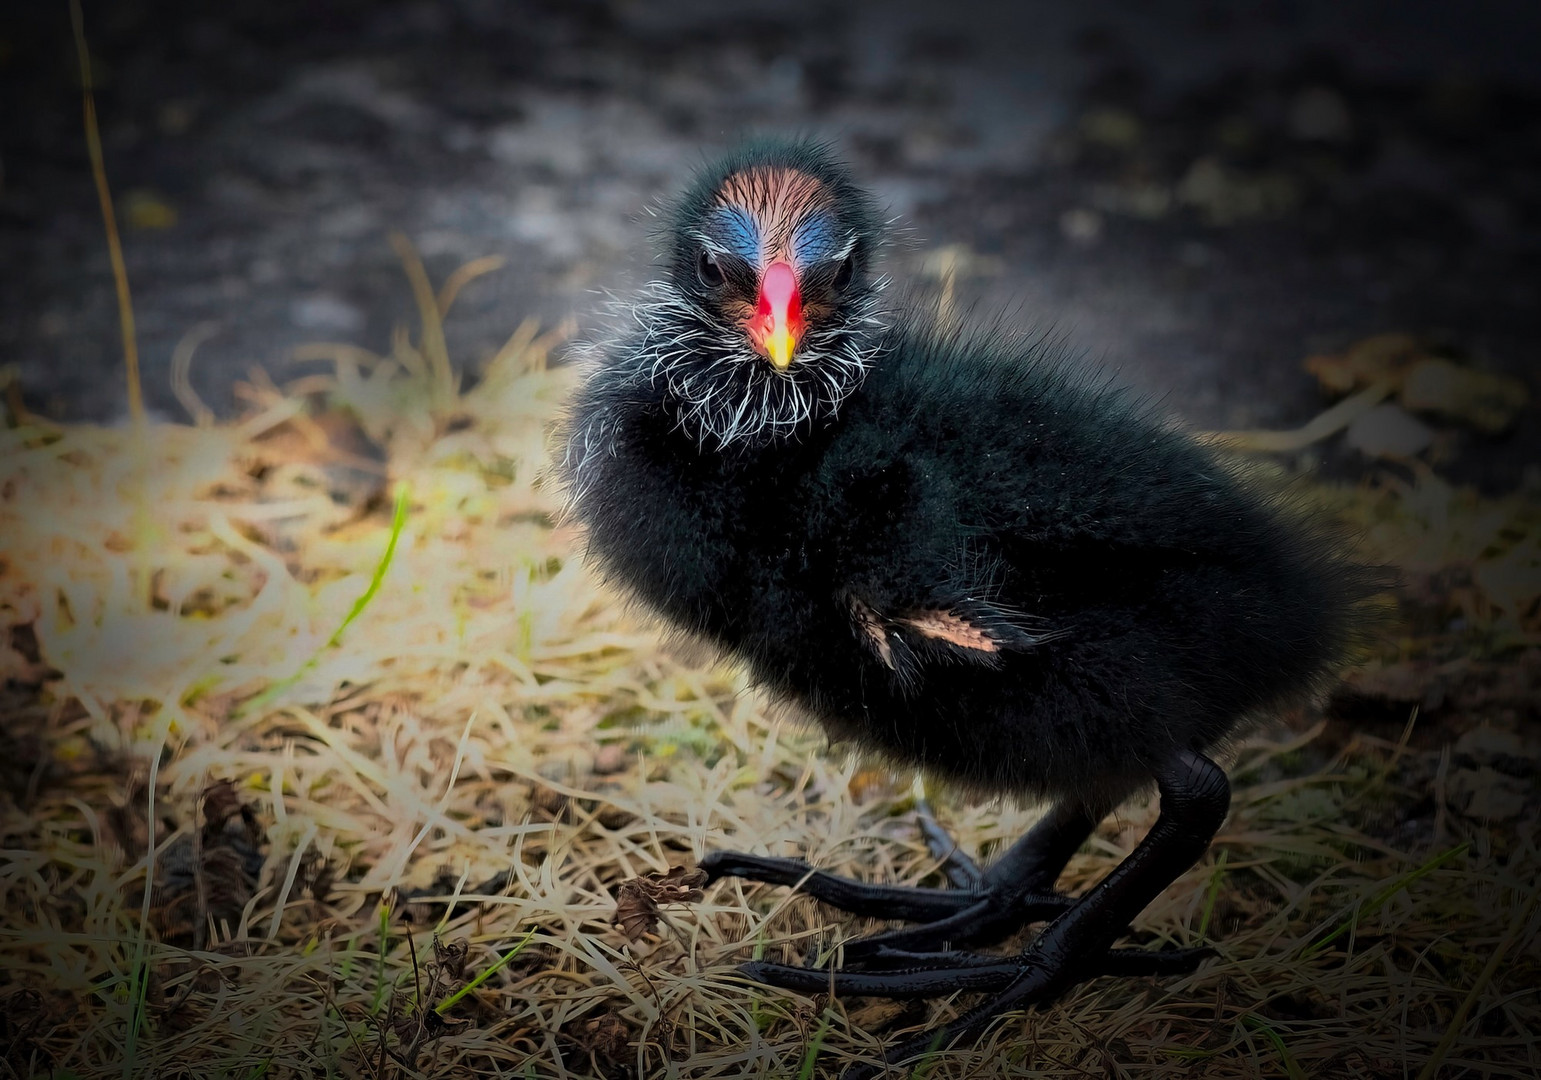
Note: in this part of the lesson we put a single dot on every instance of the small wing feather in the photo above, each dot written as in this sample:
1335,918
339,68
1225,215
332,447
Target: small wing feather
870,626
973,632
952,628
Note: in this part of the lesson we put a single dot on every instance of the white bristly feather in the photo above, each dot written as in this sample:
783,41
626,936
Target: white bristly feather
723,394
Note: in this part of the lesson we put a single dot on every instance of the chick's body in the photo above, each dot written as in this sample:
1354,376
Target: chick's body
983,566
951,549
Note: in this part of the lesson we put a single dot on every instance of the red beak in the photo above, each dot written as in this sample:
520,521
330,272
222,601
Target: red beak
777,325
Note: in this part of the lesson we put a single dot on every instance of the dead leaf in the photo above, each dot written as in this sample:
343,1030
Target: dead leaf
607,1038
451,956
436,1025
1371,360
637,900
1485,401
879,1015
423,1026
678,886
635,912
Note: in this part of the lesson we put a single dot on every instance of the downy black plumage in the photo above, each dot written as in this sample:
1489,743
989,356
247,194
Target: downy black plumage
952,548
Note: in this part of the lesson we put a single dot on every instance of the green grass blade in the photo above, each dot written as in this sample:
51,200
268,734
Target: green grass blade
932,1058
398,522
444,1006
1212,893
385,940
815,1044
1292,1067
1379,899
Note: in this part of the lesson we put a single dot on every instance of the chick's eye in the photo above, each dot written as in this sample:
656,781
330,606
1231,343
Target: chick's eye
708,270
846,272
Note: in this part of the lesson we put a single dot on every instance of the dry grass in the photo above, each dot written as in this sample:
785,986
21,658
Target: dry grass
420,706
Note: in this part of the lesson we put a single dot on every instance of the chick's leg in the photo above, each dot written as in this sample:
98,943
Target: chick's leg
1017,889
1076,946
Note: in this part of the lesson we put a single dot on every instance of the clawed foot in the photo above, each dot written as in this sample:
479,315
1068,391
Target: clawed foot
920,962
985,907
982,908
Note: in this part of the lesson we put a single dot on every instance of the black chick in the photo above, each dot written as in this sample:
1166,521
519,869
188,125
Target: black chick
948,548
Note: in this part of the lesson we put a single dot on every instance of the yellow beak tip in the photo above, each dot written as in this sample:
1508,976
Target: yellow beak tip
779,348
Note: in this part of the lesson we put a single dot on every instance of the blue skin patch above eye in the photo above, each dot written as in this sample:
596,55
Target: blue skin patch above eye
736,231
815,240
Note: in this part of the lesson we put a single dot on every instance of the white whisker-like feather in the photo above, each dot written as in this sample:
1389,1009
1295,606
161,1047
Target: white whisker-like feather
724,395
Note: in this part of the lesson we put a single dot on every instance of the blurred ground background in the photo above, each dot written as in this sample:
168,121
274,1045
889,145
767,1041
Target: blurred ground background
1200,193
218,638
